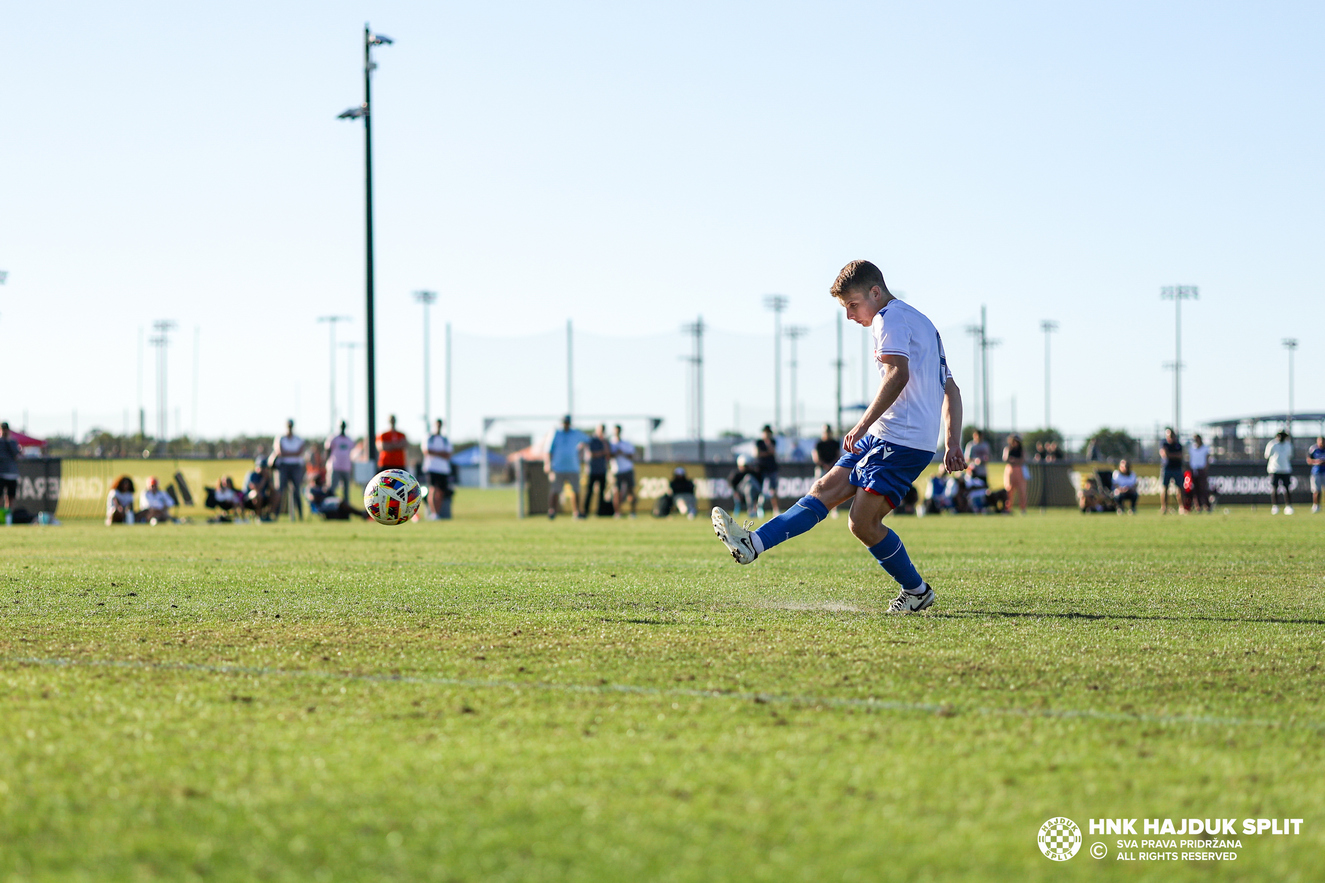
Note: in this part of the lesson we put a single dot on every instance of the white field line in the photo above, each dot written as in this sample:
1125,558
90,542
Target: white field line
870,704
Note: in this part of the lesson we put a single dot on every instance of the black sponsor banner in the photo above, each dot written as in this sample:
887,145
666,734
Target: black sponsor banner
38,484
1240,484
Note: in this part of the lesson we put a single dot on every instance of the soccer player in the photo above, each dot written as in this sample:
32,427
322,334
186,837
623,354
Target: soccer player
890,446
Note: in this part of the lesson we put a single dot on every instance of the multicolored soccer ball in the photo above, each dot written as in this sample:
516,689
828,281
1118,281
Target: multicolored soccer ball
392,497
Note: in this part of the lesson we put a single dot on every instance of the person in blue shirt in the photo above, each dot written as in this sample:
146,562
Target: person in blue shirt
561,462
1316,460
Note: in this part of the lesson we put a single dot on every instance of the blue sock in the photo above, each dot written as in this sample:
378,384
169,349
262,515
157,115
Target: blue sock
807,512
892,557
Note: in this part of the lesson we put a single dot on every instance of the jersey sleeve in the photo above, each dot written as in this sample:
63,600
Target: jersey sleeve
945,373
891,338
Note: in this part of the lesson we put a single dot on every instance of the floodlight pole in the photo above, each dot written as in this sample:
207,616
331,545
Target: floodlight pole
778,304
350,345
1048,326
1177,294
427,298
1290,344
794,333
331,324
839,364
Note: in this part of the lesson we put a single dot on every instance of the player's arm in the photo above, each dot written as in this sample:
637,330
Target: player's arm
953,460
896,374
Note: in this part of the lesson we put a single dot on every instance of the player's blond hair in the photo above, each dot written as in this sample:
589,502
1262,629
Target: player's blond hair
857,275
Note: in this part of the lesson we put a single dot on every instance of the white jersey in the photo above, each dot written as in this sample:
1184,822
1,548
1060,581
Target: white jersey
915,419
432,459
624,456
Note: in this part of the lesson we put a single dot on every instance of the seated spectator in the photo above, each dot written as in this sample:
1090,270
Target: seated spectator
156,503
328,506
683,492
976,493
1092,498
745,484
119,502
1124,486
260,491
225,497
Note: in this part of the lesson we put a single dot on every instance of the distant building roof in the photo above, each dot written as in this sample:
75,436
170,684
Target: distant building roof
1235,422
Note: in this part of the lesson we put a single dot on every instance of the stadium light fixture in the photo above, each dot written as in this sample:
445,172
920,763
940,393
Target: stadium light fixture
427,298
364,112
1290,344
778,304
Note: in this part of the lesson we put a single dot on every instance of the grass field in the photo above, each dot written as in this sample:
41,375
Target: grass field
491,699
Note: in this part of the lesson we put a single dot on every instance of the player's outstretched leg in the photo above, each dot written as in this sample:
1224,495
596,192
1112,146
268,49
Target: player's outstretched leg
746,545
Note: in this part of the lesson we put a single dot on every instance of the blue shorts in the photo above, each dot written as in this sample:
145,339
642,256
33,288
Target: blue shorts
884,468
1170,475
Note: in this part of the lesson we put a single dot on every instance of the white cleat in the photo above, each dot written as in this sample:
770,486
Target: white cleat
1288,510
909,602
1274,510
733,536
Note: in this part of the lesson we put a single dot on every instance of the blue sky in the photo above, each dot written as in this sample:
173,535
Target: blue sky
633,168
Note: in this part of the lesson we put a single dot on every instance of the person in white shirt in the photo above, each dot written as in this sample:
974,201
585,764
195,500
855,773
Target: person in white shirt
623,462
289,452
340,463
119,502
437,466
156,503
917,409
1279,463
1199,456
1124,486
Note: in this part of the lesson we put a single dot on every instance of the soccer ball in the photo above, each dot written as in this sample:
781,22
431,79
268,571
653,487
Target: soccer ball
392,497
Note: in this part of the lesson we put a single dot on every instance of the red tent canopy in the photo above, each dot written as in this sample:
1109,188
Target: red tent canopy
26,441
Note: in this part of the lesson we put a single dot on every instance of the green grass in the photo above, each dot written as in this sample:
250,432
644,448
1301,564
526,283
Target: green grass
490,699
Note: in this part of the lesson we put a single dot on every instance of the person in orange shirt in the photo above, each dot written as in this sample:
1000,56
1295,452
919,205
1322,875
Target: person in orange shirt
391,447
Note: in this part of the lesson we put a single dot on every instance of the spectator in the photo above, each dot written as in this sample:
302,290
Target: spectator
1316,460
227,498
9,456
391,446
623,460
1053,452
978,454
683,492
827,451
1040,455
766,462
1124,486
744,482
288,451
437,466
595,451
119,502
1091,498
1279,463
156,503
339,460
562,465
1170,457
1014,473
976,493
259,491
329,506
1199,454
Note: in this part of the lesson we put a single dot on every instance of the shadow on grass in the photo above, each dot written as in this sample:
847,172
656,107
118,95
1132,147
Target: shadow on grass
1010,614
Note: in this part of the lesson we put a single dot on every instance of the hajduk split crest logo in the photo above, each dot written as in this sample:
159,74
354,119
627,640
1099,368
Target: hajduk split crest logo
1059,839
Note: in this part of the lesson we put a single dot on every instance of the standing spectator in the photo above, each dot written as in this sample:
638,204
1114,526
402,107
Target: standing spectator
683,492
289,452
156,503
623,458
744,482
1124,486
1170,458
766,461
340,462
1279,457
1014,473
391,445
561,462
1316,460
259,494
596,453
119,502
1199,455
437,466
9,454
978,454
827,451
